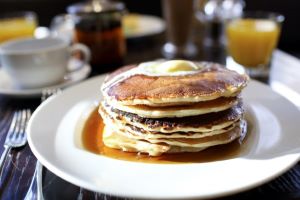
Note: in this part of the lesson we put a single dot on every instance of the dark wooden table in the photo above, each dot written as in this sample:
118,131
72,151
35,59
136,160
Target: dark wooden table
19,166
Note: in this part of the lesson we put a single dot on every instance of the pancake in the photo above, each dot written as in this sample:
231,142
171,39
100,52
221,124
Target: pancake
118,140
139,133
191,109
208,141
210,81
200,123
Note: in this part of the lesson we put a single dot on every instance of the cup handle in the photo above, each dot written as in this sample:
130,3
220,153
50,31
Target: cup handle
86,55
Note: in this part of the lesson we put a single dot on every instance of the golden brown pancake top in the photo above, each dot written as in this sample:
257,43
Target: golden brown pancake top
211,82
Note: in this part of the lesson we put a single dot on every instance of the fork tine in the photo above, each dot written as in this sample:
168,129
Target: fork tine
27,117
13,127
46,93
28,111
13,123
21,135
11,133
18,128
16,136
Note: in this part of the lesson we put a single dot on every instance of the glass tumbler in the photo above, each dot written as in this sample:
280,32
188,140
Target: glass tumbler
179,19
251,40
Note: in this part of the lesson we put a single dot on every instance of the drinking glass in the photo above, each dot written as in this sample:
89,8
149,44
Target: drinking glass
251,40
179,19
212,14
16,25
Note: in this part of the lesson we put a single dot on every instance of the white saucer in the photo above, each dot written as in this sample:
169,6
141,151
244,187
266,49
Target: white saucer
9,89
142,25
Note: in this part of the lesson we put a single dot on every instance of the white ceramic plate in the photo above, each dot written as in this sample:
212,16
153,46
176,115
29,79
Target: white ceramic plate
8,88
136,25
273,147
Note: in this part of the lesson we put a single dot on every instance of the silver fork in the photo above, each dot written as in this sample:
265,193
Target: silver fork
37,177
46,93
16,136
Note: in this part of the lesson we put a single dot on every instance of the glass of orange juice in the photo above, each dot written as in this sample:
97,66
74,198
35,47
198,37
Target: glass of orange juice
251,40
16,25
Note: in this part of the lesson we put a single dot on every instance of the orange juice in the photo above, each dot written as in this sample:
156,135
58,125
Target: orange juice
251,41
15,28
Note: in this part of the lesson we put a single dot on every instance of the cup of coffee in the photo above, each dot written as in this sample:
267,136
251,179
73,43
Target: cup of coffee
34,63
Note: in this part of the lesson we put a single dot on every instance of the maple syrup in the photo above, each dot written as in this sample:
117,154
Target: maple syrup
92,141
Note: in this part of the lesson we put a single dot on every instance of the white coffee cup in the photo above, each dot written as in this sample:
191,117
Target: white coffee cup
34,63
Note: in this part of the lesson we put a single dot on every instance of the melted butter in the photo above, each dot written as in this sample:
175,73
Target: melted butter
156,68
171,67
92,141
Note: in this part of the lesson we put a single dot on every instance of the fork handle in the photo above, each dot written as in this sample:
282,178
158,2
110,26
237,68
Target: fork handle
37,177
3,156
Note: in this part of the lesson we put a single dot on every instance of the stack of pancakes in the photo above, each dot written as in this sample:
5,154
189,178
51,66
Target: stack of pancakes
185,107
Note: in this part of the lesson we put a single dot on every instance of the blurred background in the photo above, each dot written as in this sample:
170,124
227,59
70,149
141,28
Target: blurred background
289,41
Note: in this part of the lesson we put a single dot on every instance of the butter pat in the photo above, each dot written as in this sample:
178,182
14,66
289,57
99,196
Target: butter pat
176,66
168,68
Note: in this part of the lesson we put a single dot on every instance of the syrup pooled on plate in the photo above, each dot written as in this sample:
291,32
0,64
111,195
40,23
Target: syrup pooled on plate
92,141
